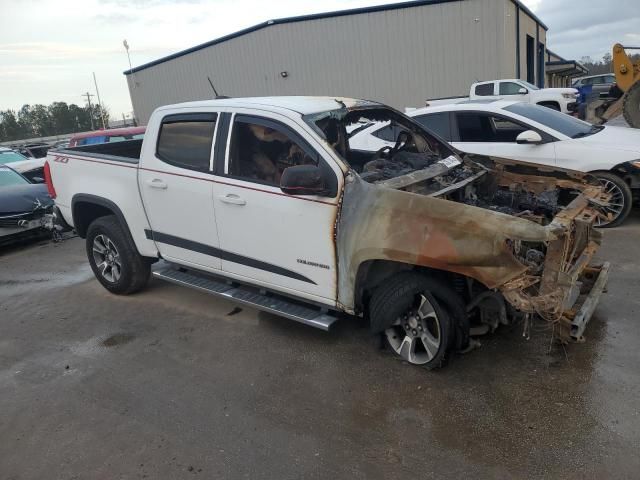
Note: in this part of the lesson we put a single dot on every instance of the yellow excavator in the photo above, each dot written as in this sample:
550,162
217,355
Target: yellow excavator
628,81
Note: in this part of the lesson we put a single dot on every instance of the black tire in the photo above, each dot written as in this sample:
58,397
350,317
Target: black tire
551,105
631,105
133,271
623,193
393,300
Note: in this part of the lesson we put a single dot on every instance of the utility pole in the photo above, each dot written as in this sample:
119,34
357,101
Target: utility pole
99,101
88,95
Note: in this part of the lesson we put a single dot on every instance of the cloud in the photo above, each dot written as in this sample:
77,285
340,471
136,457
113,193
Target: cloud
116,18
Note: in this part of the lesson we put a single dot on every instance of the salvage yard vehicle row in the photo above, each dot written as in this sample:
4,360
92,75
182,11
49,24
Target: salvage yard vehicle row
264,202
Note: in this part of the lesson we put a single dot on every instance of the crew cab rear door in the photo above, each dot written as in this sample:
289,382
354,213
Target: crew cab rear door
175,181
282,241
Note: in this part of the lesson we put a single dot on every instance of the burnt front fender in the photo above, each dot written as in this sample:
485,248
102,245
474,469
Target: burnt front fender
378,223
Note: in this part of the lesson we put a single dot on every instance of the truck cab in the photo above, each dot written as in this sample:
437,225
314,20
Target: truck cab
561,99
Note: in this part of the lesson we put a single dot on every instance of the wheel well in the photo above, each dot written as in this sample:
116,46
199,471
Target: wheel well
373,273
549,103
84,213
631,180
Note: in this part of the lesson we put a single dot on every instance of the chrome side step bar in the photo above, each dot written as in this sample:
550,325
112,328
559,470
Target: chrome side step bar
268,302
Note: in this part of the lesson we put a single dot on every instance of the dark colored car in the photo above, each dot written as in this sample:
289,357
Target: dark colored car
33,150
23,206
600,83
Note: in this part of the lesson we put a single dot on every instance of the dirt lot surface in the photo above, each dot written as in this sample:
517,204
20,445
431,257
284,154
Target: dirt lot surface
173,383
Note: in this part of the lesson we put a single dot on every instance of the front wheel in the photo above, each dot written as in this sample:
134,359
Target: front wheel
418,329
114,260
621,200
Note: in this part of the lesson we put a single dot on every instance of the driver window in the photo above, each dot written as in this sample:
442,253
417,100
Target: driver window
509,88
260,152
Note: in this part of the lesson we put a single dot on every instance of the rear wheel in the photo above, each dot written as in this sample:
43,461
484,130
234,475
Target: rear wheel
417,328
113,259
619,205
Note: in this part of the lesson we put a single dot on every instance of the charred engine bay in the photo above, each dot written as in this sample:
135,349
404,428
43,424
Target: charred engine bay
473,184
468,183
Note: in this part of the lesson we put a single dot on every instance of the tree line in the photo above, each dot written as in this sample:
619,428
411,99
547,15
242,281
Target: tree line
33,121
598,67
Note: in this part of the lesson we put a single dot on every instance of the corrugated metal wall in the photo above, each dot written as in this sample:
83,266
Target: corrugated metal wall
400,57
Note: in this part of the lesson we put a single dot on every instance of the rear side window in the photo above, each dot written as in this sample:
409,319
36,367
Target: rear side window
185,140
437,123
484,89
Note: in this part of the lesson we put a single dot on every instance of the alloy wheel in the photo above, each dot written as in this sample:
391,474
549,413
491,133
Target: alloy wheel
616,204
416,335
107,258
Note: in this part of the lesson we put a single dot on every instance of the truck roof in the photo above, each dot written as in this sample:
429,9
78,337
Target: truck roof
300,104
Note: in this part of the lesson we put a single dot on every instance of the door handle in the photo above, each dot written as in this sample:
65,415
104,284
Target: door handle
157,183
232,199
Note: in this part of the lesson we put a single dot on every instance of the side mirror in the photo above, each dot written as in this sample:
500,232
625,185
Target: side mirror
529,137
302,180
523,91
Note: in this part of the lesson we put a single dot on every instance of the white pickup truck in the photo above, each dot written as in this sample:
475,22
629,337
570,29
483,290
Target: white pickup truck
561,99
263,202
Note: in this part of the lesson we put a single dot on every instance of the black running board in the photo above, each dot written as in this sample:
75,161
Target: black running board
267,302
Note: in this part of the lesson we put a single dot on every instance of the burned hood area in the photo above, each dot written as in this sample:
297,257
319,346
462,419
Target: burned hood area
516,239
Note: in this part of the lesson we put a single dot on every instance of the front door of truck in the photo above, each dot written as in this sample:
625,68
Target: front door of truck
269,237
175,181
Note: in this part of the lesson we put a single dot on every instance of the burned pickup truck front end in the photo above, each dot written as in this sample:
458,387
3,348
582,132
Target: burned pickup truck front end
515,240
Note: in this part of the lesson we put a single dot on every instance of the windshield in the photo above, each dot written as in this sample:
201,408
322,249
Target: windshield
400,147
11,156
9,177
530,86
560,122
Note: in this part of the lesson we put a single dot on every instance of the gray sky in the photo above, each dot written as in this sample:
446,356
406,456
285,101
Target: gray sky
48,48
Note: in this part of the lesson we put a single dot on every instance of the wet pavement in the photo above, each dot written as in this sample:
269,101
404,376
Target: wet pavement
172,383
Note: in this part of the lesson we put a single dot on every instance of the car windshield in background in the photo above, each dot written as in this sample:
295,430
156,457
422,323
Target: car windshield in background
9,177
8,157
560,122
530,86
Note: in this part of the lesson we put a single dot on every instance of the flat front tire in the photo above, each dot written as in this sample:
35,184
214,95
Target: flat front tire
114,260
417,328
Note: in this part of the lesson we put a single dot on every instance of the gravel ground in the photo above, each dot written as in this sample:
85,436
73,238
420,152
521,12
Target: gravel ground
172,383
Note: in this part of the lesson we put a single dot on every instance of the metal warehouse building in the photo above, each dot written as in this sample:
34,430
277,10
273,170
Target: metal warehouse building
400,54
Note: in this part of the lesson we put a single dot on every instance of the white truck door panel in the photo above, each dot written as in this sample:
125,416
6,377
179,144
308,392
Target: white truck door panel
176,186
268,236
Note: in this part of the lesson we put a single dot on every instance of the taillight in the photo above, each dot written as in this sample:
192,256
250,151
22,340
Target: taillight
49,181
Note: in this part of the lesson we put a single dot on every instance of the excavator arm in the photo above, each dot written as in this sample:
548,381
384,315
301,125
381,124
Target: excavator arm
628,80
